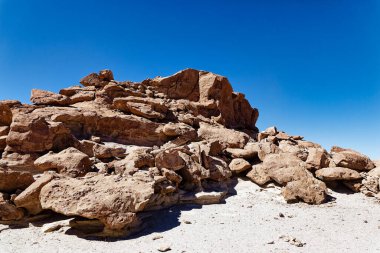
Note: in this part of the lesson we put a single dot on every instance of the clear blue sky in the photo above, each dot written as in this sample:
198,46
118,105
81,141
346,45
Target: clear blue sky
311,67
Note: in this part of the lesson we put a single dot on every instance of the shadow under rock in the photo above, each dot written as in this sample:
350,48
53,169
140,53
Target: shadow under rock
157,221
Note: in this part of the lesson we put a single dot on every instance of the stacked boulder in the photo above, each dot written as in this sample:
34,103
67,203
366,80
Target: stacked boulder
111,151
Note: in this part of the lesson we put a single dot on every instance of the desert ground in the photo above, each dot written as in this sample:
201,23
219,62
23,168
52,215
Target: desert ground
252,219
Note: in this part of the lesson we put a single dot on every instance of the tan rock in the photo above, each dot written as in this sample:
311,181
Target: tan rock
230,138
258,175
317,158
30,197
11,180
113,200
70,162
309,190
239,165
337,173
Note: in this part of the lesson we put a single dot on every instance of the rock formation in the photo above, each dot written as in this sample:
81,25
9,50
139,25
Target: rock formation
111,151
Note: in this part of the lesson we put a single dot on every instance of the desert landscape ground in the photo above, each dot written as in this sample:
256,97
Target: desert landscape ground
174,164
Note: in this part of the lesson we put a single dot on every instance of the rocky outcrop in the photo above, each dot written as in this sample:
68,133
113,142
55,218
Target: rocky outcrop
110,151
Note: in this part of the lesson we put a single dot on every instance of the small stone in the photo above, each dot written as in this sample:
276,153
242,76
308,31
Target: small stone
187,222
164,248
157,237
271,242
281,215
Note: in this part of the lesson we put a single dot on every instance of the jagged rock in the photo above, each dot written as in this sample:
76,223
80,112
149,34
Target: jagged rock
337,173
113,200
97,80
11,180
239,165
309,190
137,158
8,211
70,162
123,148
351,159
30,197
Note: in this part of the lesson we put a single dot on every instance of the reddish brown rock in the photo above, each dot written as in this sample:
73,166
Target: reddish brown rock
4,130
42,97
6,111
351,159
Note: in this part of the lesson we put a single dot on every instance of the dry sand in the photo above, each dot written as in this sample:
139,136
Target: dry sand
247,222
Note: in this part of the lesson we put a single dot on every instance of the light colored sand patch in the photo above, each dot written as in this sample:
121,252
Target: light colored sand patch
247,222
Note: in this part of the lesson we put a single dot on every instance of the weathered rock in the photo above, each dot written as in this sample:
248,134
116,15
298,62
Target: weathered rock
111,199
17,161
137,158
239,165
6,111
30,197
258,174
8,211
309,190
97,80
317,158
32,133
42,97
70,162
351,159
230,138
337,173
11,180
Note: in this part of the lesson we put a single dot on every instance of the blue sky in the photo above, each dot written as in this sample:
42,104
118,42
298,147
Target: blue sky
311,67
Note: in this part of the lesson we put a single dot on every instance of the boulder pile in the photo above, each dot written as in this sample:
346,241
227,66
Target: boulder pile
111,151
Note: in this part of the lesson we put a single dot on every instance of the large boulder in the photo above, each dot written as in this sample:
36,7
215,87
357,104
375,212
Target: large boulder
351,159
337,173
114,200
309,190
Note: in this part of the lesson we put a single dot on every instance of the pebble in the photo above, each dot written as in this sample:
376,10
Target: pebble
164,248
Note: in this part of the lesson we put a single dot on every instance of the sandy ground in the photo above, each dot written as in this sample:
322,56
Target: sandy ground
247,222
